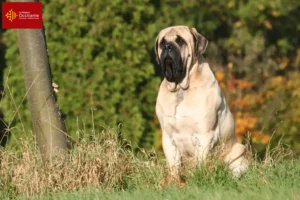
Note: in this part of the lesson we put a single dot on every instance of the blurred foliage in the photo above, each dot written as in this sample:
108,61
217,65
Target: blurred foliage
101,55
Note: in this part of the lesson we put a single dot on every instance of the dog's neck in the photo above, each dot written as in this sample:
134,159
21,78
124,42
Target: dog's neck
200,59
179,95
195,66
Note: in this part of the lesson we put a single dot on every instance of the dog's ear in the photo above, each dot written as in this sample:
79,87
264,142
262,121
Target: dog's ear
156,50
200,41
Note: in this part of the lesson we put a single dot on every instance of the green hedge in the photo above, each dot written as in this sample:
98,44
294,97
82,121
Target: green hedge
101,56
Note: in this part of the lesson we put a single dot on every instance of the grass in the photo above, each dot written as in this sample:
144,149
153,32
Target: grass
277,182
190,192
274,182
103,168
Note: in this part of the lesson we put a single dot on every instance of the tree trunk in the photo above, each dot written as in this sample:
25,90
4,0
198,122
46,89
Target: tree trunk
48,125
4,130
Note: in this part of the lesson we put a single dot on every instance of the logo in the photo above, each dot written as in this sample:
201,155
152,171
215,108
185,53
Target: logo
11,15
22,15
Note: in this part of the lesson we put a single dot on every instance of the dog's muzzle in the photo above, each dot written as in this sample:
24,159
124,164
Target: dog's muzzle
172,64
169,69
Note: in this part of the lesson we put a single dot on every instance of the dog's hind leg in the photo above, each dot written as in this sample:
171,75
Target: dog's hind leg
236,159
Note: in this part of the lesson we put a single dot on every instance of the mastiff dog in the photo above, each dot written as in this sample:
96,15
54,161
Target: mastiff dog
192,111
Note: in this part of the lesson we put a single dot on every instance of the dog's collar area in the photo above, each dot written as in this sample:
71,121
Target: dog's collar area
175,87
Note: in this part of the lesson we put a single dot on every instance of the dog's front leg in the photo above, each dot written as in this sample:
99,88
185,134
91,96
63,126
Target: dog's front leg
172,155
203,144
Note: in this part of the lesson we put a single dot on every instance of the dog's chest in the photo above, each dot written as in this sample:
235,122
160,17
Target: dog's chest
182,113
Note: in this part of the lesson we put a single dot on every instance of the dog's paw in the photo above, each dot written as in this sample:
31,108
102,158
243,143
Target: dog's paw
239,167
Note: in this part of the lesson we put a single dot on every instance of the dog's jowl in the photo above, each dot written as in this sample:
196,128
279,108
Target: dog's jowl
191,109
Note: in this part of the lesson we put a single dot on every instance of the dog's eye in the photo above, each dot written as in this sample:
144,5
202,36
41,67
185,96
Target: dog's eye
179,41
163,42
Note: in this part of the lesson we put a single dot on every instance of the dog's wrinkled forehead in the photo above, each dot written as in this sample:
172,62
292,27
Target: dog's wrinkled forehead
171,33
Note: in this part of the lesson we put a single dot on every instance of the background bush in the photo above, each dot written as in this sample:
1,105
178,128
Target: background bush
101,55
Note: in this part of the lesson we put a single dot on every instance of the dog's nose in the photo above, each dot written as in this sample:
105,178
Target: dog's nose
167,47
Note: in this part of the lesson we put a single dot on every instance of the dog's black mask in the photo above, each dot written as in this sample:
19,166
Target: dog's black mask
171,62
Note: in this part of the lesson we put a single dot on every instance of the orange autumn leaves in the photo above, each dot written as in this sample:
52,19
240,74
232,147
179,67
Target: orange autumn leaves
241,101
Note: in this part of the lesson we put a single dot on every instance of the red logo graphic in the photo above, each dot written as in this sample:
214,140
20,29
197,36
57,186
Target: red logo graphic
22,15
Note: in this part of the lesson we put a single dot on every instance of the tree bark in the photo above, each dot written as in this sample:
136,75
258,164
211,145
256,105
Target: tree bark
48,125
4,130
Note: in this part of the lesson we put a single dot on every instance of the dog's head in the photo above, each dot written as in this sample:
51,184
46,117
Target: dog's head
177,48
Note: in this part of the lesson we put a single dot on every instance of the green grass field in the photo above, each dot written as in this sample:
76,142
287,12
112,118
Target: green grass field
101,168
280,181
